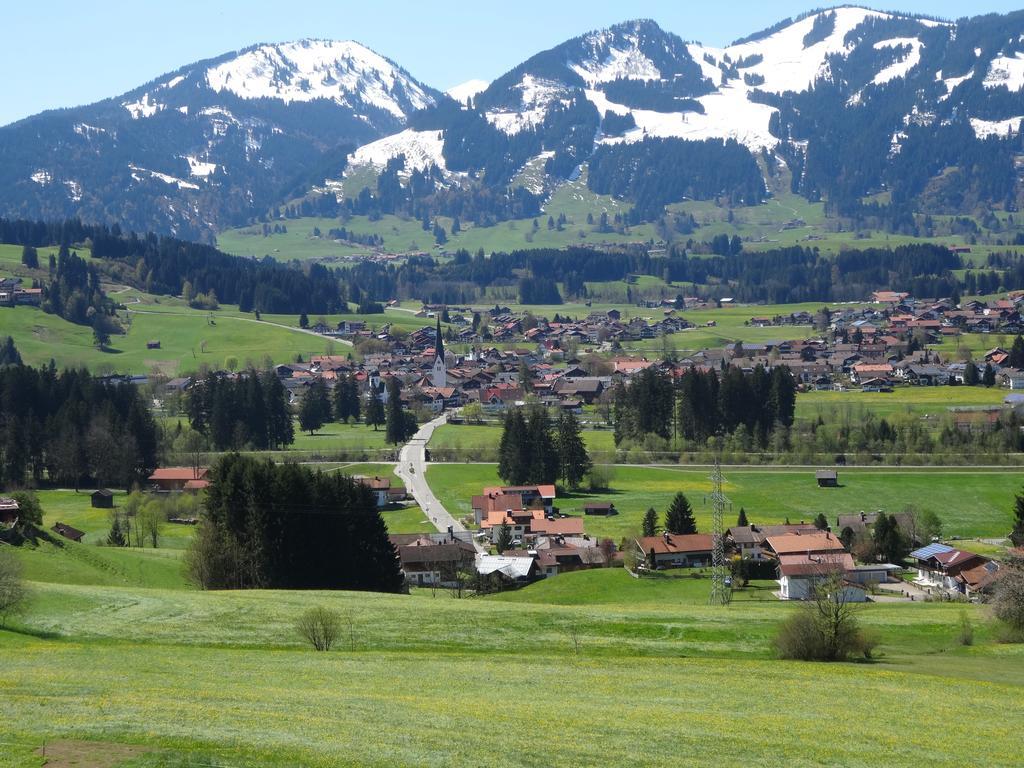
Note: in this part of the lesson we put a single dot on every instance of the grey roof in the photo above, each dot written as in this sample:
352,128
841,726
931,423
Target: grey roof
932,549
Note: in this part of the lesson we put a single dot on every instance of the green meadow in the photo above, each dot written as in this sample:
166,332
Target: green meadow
969,502
221,679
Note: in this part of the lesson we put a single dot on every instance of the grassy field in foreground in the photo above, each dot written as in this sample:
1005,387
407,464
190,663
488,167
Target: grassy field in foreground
417,680
970,502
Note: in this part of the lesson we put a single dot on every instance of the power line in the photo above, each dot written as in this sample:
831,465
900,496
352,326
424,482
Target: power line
721,589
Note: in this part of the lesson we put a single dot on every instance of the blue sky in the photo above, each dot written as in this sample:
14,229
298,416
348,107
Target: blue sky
61,53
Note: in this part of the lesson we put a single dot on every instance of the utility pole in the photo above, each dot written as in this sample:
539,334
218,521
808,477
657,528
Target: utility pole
721,584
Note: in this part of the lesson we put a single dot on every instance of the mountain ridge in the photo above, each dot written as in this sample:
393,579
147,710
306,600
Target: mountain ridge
849,99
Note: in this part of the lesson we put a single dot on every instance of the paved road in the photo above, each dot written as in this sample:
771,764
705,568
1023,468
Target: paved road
413,455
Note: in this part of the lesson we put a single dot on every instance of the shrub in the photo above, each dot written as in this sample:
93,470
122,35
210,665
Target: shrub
966,633
319,627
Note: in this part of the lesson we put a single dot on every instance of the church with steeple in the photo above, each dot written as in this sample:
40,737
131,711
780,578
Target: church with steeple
439,373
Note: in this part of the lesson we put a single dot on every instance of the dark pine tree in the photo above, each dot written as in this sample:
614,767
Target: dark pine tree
679,516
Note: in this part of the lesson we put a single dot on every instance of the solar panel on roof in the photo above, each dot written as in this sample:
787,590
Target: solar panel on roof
932,549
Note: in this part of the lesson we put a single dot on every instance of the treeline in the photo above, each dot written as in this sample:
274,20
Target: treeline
655,172
702,405
163,265
75,293
247,412
70,428
285,527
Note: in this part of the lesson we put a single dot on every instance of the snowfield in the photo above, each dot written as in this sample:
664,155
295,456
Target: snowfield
421,149
464,91
985,128
306,70
1006,71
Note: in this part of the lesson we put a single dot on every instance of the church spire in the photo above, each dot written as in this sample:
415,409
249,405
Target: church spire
439,344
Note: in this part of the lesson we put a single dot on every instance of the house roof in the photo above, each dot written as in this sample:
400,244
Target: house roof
932,549
374,483
178,473
814,565
512,567
67,531
673,543
562,526
796,543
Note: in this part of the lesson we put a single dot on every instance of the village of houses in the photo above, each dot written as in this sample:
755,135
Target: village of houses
856,347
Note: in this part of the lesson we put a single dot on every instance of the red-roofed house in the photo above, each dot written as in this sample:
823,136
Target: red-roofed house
672,550
176,479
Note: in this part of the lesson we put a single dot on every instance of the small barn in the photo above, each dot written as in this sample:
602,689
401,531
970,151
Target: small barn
827,478
153,344
102,499
68,532
605,508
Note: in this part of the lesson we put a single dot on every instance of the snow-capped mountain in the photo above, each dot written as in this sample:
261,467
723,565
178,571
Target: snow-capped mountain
841,103
210,144
842,97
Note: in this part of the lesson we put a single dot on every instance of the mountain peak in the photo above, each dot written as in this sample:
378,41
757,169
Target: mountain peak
342,71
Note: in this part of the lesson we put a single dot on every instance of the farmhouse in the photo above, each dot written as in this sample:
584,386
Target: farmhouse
675,550
380,487
801,575
177,479
950,569
432,559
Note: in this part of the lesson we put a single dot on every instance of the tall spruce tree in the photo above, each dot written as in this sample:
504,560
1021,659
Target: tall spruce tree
542,456
513,450
1017,353
679,516
396,421
573,459
650,524
741,521
374,409
315,410
971,377
1017,534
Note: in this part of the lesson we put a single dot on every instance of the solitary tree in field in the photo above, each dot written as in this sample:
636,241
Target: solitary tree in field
1009,596
820,522
650,522
374,410
741,521
679,517
303,320
30,257
315,410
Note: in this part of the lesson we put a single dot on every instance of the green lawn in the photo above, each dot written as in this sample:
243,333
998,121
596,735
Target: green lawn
417,680
970,502
910,400
479,440
41,337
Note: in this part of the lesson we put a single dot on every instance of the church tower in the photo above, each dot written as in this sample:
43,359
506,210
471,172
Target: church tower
439,373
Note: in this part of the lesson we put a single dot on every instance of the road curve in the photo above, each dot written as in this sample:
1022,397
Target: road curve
412,469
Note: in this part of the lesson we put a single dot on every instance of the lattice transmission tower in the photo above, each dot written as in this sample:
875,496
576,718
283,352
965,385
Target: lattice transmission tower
721,583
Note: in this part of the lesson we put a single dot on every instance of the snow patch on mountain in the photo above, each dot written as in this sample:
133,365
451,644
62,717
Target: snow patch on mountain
141,174
786,65
144,107
1004,70
1002,128
421,149
899,68
619,64
200,168
87,131
952,82
74,190
306,70
41,177
464,91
